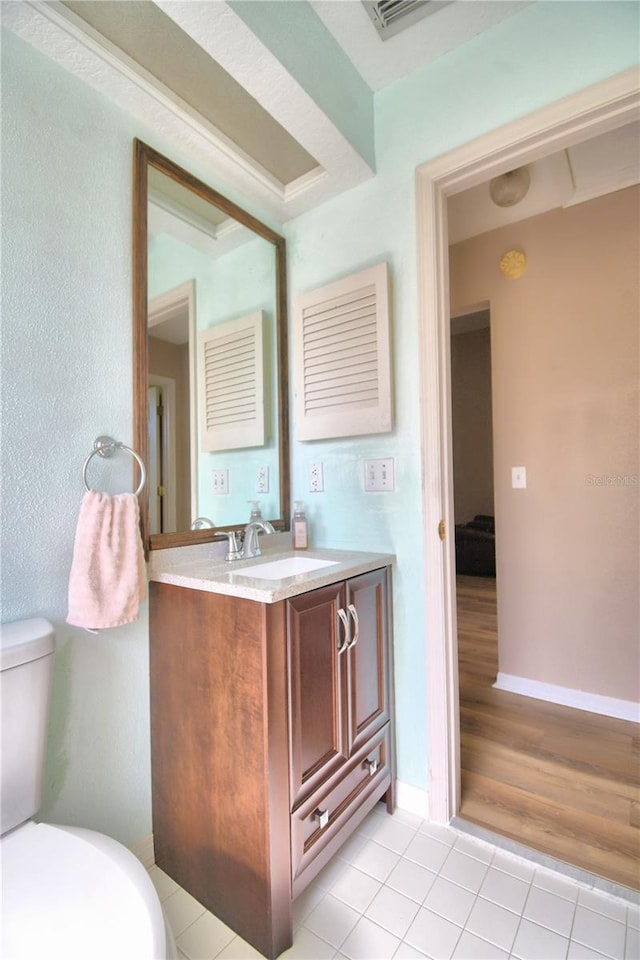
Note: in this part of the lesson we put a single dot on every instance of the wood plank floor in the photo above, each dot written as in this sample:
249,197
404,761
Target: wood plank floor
561,781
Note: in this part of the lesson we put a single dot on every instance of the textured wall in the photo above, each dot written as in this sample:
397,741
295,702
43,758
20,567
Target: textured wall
66,378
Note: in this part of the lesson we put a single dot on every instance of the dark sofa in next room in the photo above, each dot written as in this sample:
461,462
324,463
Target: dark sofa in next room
476,547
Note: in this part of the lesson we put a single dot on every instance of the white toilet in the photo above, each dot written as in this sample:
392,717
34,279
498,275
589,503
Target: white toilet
66,892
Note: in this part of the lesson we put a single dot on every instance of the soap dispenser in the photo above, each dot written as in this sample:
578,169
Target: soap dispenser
300,529
256,513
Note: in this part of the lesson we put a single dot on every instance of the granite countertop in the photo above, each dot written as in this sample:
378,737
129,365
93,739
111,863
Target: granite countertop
217,575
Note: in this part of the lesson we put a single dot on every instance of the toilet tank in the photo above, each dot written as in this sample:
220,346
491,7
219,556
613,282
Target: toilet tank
26,668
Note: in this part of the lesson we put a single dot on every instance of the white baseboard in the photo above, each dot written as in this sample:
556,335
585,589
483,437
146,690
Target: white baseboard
143,850
568,697
412,799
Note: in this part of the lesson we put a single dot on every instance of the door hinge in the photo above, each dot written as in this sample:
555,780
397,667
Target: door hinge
442,530
161,491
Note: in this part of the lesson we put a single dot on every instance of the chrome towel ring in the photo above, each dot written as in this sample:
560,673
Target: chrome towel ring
105,447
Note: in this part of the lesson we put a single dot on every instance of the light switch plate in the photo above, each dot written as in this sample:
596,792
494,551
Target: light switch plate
379,475
518,478
220,480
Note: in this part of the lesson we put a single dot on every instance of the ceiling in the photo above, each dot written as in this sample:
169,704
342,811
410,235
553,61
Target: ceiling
231,83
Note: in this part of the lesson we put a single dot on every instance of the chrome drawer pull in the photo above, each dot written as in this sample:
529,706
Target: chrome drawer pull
373,766
322,816
347,632
354,614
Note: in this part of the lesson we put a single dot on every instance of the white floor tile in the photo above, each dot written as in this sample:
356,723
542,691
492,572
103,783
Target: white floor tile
578,952
556,883
537,943
434,935
330,873
428,852
438,832
601,933
475,848
464,870
367,941
376,860
406,952
182,910
514,866
205,938
393,911
332,920
163,883
305,902
408,818
505,890
632,945
239,949
450,901
396,836
550,910
355,888
352,847
601,903
411,879
471,947
308,946
493,923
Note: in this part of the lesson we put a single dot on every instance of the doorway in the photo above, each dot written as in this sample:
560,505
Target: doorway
609,105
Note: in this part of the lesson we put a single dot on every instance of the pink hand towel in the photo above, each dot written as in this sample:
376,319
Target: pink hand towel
107,582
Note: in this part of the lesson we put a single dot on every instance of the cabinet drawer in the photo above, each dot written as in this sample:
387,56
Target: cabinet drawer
323,816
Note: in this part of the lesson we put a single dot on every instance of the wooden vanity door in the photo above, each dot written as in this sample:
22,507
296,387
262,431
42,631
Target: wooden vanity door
367,659
317,679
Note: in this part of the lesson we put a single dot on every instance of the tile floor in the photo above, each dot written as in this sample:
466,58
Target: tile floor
404,888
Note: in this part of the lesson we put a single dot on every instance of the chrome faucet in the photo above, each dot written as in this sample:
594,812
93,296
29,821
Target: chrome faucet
251,547
201,523
243,544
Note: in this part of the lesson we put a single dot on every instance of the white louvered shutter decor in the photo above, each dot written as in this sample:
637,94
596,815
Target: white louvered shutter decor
342,358
231,384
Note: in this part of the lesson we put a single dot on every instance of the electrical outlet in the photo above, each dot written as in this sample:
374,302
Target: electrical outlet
220,480
316,478
379,475
262,482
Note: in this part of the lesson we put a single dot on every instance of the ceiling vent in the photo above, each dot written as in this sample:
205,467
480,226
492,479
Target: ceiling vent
392,16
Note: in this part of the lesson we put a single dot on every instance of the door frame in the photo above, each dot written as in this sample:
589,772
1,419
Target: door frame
593,111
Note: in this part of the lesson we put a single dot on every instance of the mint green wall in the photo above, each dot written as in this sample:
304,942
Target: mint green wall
66,359
66,378
228,287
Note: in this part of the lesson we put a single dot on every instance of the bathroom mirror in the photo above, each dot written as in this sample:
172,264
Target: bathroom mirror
210,358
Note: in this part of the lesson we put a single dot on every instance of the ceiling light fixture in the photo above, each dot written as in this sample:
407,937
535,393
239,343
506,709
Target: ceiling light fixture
510,188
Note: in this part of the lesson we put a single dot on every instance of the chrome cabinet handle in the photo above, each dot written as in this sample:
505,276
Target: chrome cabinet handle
322,816
372,765
347,632
356,621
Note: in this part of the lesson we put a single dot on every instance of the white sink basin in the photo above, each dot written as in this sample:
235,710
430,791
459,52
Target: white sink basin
286,567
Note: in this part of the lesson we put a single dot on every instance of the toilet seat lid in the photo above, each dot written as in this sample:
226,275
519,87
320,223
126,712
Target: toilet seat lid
64,898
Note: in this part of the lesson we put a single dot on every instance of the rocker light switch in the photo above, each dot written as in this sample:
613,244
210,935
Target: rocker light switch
518,477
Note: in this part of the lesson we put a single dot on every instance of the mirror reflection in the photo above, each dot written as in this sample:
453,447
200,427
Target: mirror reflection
214,338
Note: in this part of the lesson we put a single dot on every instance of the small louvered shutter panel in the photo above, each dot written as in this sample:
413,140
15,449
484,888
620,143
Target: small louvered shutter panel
342,359
231,384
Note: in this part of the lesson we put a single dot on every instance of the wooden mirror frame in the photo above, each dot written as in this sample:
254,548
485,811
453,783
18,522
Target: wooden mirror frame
145,156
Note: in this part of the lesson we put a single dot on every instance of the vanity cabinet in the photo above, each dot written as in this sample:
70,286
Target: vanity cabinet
271,739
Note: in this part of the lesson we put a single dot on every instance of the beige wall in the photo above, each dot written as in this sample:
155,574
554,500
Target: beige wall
565,405
471,423
172,360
